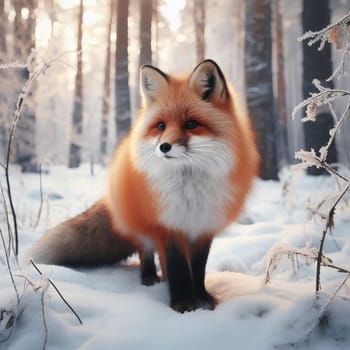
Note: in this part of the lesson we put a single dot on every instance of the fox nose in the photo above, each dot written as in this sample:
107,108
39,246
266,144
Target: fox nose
165,147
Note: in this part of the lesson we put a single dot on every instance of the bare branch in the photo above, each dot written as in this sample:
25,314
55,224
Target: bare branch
10,240
321,98
328,226
7,322
33,76
57,291
324,34
46,331
9,267
276,253
41,198
311,159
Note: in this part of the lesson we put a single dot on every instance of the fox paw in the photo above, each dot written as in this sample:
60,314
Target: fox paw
207,301
184,306
150,280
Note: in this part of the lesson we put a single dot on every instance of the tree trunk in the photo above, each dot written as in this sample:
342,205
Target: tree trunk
3,77
259,85
317,65
146,12
122,94
155,16
3,31
199,22
106,88
24,41
146,32
280,83
77,118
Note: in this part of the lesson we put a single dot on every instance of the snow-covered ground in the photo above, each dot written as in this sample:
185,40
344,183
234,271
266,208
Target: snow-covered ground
119,313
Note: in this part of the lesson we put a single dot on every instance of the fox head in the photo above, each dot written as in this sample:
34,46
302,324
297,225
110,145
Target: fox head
187,122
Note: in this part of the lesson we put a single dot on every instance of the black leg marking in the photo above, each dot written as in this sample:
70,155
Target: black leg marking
182,297
200,252
148,268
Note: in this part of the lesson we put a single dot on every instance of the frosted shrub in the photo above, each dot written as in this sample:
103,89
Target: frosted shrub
339,35
10,314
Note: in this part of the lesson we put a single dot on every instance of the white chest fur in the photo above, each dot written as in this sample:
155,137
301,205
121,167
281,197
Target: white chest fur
193,188
193,202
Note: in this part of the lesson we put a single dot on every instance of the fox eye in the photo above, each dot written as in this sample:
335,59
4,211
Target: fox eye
190,124
161,126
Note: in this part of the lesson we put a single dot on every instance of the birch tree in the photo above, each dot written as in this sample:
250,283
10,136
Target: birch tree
24,42
280,80
77,117
3,56
199,22
122,93
3,30
106,87
146,7
146,14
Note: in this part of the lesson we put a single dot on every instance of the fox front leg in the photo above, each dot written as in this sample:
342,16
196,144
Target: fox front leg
179,275
199,256
148,268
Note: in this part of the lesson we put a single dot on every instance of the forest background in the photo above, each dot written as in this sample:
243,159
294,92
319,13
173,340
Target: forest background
86,100
69,92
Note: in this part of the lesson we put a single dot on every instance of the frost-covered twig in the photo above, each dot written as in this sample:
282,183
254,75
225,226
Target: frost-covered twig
7,322
42,286
8,317
10,242
326,34
33,76
57,291
336,33
9,267
329,224
311,159
41,198
46,331
333,132
276,253
323,97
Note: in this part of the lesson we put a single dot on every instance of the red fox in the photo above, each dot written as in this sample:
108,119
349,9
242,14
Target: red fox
179,177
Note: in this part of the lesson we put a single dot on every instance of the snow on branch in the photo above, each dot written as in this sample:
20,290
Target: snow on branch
310,158
49,282
337,34
10,315
334,33
323,97
276,254
34,73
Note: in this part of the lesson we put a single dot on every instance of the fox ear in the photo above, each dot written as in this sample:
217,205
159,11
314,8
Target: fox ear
153,82
209,83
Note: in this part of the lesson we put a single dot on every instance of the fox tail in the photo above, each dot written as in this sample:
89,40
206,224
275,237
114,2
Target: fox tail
88,239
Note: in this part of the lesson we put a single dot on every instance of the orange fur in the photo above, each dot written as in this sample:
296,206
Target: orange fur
134,202
148,185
